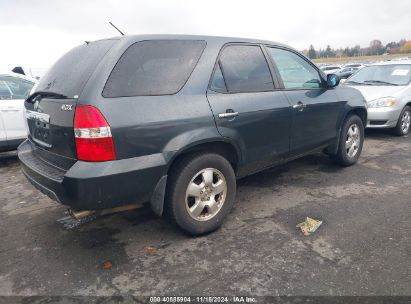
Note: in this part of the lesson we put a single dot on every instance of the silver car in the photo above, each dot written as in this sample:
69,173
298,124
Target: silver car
387,89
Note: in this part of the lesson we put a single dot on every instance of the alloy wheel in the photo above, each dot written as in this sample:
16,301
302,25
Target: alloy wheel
353,140
405,122
206,194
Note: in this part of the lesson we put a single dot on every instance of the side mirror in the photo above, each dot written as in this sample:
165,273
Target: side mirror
332,80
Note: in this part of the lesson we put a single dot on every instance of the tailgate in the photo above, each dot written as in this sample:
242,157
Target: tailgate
50,125
50,108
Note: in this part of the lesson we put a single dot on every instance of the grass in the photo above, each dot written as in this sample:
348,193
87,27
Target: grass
360,58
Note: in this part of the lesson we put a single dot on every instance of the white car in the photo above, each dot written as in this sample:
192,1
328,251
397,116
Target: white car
14,89
387,88
330,69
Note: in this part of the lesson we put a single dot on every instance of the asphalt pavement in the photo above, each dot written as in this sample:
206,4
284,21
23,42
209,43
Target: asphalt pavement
362,248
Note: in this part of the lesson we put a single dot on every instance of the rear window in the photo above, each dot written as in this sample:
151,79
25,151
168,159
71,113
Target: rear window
154,67
70,73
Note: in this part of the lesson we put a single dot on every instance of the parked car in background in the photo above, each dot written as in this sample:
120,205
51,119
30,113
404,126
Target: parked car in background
330,69
175,120
354,65
386,87
14,89
346,72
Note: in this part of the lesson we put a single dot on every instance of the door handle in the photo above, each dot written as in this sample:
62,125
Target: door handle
228,114
299,106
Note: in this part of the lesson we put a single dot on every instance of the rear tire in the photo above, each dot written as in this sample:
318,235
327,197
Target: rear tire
200,192
351,141
404,122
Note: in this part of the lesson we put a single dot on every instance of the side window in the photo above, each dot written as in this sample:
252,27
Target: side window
154,67
14,88
244,69
295,72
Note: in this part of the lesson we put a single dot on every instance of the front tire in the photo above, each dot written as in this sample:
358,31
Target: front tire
404,122
200,193
351,142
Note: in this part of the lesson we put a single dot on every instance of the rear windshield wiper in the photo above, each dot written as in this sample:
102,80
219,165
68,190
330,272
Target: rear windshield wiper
45,94
381,82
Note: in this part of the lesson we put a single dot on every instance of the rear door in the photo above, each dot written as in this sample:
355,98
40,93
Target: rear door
50,109
315,107
247,107
13,91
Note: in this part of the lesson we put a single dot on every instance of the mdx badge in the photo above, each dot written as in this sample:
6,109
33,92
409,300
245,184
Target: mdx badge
66,107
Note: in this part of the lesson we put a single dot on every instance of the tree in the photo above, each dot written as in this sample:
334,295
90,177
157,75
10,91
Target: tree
392,45
329,52
406,48
356,51
312,54
376,47
347,52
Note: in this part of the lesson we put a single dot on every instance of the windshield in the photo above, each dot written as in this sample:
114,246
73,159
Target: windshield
393,74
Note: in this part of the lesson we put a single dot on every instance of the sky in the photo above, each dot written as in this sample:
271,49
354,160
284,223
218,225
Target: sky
35,33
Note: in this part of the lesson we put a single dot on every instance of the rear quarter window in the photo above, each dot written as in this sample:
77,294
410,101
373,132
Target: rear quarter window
154,67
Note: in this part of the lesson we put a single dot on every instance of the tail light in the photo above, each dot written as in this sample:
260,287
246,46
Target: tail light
92,135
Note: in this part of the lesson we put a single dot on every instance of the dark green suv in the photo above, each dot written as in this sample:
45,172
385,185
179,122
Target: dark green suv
174,121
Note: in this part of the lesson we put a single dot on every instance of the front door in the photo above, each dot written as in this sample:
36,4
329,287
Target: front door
247,108
315,106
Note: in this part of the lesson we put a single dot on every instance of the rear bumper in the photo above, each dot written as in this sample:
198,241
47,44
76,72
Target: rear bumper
99,185
383,117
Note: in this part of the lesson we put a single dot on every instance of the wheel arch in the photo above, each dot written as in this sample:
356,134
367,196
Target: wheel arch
206,139
359,111
220,146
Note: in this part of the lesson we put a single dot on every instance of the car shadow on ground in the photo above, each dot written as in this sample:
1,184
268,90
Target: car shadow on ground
146,220
272,177
380,134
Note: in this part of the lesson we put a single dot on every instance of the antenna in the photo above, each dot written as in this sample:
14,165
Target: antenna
116,28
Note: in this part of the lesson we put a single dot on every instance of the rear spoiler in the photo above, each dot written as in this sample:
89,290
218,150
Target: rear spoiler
32,97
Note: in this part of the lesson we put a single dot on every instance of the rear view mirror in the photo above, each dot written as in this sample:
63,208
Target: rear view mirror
332,80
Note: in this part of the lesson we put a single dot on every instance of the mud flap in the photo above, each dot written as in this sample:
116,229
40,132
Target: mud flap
157,198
